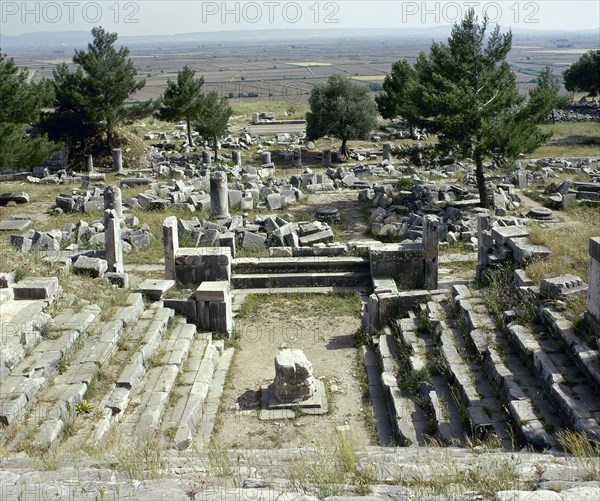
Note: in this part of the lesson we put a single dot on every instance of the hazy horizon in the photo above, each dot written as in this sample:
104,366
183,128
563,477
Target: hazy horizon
180,17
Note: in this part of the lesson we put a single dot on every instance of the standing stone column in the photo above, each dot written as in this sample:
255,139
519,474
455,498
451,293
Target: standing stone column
484,243
219,195
89,163
112,200
265,157
430,246
326,158
113,244
206,159
236,156
297,157
171,245
387,151
417,154
117,160
594,286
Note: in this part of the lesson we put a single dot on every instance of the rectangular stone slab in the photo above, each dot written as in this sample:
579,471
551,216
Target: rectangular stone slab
213,291
155,289
36,288
14,224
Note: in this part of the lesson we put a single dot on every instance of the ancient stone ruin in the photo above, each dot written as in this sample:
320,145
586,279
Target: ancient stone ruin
106,351
294,388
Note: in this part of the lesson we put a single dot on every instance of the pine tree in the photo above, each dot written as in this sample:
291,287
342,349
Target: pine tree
466,93
20,107
182,100
342,109
396,86
213,119
94,96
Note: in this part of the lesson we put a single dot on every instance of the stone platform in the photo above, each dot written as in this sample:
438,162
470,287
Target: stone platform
273,409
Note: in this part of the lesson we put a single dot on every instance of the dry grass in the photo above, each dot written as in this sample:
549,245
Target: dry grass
296,111
326,305
569,245
585,453
570,139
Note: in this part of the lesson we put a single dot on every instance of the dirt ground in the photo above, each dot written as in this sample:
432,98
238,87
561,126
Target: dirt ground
328,345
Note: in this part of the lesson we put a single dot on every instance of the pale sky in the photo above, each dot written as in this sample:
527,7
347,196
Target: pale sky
146,17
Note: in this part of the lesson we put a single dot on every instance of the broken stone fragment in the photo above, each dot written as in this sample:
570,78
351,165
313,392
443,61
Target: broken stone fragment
294,381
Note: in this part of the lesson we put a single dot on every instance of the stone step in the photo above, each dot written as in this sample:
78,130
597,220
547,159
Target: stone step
181,421
581,409
147,331
306,264
437,395
409,421
385,431
264,475
585,357
130,313
21,326
35,371
213,398
328,279
465,392
486,340
150,397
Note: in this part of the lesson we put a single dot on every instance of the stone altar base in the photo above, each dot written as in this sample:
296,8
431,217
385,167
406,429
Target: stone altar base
271,408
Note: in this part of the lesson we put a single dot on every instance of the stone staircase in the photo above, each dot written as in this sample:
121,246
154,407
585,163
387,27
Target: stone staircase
74,381
310,271
450,376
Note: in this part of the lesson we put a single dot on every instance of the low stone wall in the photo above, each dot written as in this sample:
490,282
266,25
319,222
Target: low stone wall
194,265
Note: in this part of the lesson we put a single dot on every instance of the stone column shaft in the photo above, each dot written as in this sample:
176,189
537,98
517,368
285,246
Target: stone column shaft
117,160
430,246
113,244
171,245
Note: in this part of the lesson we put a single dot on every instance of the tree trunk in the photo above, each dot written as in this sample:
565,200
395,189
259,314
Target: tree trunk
189,132
483,198
344,148
216,148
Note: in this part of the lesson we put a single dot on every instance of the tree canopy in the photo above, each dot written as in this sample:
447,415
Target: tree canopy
584,74
213,119
183,99
465,92
342,109
93,98
395,89
20,107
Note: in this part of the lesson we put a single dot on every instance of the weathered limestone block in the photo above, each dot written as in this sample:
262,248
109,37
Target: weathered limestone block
215,312
94,266
118,400
562,286
594,281
524,251
199,264
171,245
402,262
36,288
155,289
294,381
132,373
